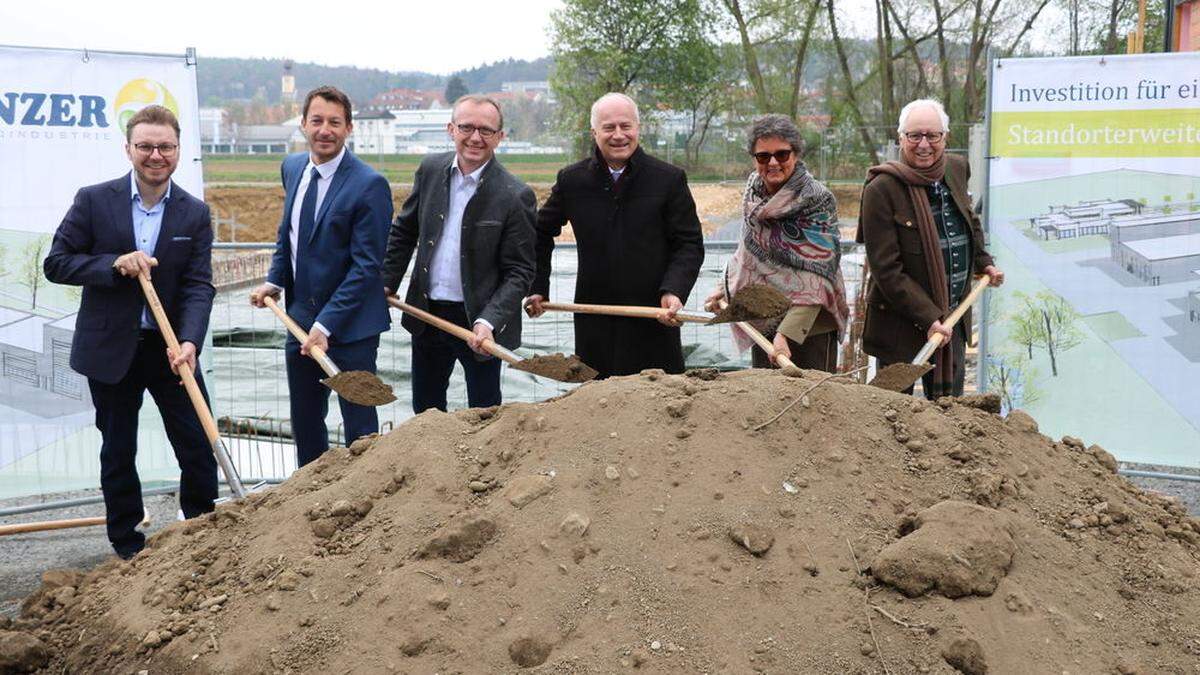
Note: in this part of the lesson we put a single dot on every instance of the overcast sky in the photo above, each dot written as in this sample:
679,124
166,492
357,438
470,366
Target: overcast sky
435,37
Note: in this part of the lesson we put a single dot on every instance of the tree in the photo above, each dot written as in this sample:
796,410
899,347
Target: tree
634,47
1012,377
455,89
1050,322
771,31
30,272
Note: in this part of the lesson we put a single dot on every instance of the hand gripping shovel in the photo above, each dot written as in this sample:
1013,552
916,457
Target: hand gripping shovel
756,301
901,376
193,390
356,386
555,367
763,343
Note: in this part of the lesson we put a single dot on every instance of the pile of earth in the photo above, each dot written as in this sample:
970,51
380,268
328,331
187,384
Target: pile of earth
653,522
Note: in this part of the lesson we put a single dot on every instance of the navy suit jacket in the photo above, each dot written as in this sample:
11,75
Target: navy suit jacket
344,291
96,230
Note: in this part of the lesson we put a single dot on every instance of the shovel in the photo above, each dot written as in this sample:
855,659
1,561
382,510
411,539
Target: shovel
756,301
762,342
356,386
556,367
901,376
44,525
193,390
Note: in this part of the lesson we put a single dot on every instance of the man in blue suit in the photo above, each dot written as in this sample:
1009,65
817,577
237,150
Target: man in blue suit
140,222
332,237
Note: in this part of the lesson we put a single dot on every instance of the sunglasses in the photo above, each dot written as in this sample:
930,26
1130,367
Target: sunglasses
780,156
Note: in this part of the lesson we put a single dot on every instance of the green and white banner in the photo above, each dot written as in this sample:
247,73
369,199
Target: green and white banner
62,126
1094,214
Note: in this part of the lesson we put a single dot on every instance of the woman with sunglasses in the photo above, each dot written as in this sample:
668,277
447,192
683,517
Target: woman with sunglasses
790,240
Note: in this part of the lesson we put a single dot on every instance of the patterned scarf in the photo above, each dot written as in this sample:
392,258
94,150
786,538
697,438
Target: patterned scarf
916,181
791,241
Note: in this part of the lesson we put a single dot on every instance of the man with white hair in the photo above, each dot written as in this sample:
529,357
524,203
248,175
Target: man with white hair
639,242
924,243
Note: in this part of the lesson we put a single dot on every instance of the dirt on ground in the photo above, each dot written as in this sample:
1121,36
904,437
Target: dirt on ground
659,523
256,209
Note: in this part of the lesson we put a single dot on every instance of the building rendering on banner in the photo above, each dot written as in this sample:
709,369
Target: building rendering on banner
35,371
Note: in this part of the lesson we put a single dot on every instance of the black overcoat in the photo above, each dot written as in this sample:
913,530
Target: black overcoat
637,239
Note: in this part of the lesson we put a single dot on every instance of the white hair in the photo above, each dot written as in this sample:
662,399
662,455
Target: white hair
611,96
930,102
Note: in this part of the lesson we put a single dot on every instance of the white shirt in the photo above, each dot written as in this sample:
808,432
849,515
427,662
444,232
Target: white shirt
325,171
445,269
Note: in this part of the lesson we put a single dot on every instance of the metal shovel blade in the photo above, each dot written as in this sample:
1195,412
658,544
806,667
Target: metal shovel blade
756,301
558,367
361,387
899,376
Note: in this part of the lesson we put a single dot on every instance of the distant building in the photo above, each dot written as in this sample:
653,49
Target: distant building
404,99
1183,24
540,87
1161,261
418,132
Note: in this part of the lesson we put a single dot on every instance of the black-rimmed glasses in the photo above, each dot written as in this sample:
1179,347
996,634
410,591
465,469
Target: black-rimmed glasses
164,149
931,136
468,129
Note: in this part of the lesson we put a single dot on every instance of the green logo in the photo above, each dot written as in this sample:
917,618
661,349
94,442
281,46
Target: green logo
139,93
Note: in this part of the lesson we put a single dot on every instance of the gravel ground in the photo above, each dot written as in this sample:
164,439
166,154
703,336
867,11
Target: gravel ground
23,557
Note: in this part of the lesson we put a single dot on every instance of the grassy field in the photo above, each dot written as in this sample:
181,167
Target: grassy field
396,168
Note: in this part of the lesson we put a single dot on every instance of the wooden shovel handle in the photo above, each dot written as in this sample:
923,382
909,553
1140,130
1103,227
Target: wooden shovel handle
41,526
760,340
193,389
294,328
454,329
952,320
634,311
185,371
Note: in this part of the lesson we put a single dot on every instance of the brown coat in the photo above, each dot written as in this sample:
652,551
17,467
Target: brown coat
900,306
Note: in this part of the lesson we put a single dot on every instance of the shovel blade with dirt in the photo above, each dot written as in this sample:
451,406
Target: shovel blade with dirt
559,367
756,301
356,386
901,376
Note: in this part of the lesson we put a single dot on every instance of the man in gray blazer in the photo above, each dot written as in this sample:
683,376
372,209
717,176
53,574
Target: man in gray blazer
471,224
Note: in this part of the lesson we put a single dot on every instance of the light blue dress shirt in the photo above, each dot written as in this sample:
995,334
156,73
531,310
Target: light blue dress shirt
146,226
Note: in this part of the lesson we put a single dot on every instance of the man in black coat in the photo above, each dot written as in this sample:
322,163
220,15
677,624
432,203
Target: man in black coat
470,222
639,243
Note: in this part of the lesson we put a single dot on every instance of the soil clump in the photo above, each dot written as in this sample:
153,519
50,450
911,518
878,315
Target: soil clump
641,523
361,387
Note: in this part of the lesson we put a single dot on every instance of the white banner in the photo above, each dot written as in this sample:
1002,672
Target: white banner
62,127
1094,214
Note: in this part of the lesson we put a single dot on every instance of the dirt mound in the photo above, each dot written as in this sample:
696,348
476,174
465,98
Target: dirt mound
641,522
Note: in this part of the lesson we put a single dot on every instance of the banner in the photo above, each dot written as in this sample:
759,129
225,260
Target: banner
62,127
1094,215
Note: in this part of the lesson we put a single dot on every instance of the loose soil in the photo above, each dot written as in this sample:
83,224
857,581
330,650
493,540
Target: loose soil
257,208
753,302
558,367
361,387
641,523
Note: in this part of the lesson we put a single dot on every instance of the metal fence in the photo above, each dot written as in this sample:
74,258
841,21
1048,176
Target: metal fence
248,384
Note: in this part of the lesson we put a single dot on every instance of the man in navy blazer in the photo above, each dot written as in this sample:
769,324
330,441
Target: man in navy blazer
327,261
140,222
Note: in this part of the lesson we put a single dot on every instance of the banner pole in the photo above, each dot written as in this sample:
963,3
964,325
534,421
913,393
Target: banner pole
981,365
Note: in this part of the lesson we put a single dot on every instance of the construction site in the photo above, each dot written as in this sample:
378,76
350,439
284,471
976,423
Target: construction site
626,526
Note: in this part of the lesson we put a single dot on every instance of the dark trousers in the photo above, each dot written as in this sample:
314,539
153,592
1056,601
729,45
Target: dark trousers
434,352
309,399
958,343
117,407
818,352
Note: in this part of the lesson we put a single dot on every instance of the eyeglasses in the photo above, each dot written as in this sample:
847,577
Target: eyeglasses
468,129
931,136
780,156
164,149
